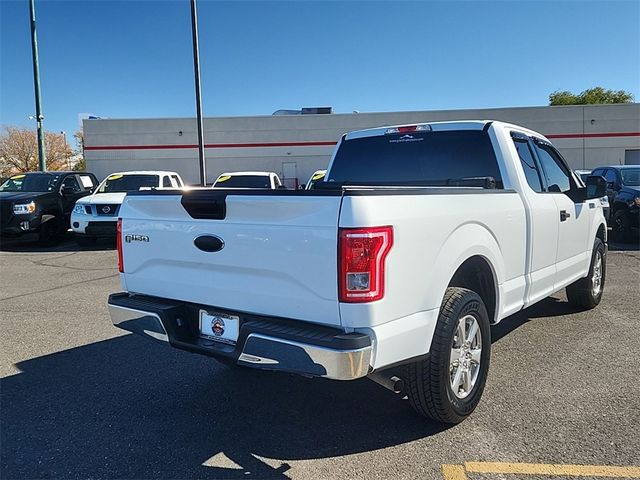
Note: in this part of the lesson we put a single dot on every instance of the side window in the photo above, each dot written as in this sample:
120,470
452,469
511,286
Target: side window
610,176
166,182
528,164
71,182
87,182
276,182
555,172
175,181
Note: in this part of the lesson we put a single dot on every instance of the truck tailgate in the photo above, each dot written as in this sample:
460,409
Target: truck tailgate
279,255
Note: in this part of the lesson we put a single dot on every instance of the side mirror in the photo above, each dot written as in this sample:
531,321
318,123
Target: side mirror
596,187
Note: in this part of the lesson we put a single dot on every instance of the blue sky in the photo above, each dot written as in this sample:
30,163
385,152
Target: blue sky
133,58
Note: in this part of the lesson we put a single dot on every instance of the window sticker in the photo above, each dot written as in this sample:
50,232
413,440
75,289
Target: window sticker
115,177
224,178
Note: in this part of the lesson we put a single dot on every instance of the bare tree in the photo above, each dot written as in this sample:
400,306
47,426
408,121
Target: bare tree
19,150
80,162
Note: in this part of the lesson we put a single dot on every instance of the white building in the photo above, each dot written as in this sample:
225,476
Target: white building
296,145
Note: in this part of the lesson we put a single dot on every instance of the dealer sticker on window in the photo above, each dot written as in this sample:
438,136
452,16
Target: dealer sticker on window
220,327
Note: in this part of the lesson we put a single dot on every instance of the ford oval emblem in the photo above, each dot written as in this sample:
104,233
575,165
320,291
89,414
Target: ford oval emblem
209,243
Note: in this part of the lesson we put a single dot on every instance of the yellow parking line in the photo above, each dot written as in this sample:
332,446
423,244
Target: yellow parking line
453,472
549,469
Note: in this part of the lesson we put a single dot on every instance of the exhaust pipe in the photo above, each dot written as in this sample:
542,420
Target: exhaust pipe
388,381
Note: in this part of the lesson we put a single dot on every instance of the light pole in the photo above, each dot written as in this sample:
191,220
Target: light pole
196,71
42,160
64,139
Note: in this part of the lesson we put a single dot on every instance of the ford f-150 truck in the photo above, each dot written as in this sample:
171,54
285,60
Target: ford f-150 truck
419,238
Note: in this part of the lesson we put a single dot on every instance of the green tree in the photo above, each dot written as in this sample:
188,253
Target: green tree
595,95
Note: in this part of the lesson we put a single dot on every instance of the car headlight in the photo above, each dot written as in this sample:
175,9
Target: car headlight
24,208
637,201
78,208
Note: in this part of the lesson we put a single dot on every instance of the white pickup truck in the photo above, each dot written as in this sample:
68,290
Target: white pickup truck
95,215
420,238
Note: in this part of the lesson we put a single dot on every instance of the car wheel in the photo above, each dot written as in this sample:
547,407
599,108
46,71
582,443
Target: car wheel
49,233
621,227
447,386
587,292
85,240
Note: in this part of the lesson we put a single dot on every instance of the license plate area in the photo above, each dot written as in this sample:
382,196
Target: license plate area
218,326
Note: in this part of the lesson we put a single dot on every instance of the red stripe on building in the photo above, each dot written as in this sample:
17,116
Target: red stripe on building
211,145
322,144
593,135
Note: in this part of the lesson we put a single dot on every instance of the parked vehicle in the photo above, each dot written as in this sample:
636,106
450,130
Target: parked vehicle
604,201
40,203
318,176
269,180
95,216
420,237
623,191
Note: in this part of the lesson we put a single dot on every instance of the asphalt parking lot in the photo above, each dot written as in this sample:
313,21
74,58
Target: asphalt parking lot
81,399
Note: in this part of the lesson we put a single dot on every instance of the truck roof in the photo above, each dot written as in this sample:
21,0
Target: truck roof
442,126
144,172
241,174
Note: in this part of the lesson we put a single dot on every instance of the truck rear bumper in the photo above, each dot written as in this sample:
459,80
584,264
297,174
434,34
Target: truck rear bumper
267,343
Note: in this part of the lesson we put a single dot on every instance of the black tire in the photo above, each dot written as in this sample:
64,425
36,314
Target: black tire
582,293
621,226
429,381
85,240
49,232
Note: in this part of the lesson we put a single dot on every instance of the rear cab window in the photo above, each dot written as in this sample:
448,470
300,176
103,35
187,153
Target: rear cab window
528,163
243,181
421,158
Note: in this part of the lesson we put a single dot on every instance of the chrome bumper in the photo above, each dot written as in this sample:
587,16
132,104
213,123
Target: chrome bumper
258,350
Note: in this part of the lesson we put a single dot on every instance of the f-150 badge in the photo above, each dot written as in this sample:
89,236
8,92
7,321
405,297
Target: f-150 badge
136,238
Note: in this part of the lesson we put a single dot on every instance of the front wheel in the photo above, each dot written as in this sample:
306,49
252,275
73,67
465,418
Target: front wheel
621,226
587,292
447,386
48,233
85,240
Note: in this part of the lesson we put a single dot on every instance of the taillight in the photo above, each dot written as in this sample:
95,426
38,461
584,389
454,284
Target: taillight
119,243
362,253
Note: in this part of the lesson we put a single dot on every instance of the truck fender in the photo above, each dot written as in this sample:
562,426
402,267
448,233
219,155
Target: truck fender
456,250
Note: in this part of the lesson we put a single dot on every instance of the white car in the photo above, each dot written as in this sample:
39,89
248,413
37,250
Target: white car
95,215
317,176
268,180
421,238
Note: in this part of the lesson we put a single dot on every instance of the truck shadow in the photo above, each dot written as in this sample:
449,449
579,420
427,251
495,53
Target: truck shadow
128,408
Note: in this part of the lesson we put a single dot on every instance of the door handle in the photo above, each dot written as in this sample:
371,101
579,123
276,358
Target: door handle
564,215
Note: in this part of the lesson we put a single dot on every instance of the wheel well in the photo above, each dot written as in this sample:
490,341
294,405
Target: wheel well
476,274
602,233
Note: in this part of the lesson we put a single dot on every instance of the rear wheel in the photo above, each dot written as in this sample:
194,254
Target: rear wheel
447,386
587,292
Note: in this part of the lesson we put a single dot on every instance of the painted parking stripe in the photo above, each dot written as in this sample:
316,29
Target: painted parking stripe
458,472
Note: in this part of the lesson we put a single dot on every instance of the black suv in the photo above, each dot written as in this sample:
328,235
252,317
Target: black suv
623,190
41,203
